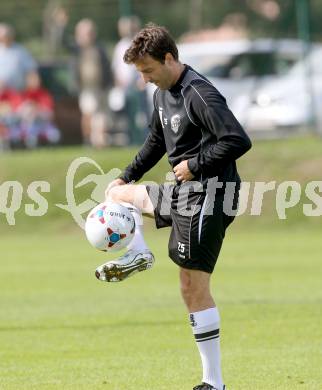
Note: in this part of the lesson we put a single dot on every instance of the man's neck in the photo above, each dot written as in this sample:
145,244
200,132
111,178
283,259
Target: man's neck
178,71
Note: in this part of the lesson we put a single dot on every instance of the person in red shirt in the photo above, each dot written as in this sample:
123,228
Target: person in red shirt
36,111
36,94
9,102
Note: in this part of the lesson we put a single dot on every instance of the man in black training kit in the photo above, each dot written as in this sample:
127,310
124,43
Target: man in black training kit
193,125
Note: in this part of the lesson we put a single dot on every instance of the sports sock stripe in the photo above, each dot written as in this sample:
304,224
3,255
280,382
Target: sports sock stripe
214,332
209,338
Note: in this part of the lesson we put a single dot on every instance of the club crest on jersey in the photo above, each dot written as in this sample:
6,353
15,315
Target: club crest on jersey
175,122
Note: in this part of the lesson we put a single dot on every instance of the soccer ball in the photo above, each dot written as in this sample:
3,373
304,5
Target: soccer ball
110,227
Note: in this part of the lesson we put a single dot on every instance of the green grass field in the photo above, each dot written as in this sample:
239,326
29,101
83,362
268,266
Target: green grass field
60,328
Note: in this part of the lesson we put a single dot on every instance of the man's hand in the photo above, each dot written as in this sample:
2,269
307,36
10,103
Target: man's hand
182,172
116,182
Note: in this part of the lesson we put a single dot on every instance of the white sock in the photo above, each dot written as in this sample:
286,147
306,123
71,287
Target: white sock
137,242
205,327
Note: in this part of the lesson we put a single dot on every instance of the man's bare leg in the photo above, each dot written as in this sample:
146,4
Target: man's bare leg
139,257
205,321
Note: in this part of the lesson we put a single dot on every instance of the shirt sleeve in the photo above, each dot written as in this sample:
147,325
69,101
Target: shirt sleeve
151,152
224,138
29,64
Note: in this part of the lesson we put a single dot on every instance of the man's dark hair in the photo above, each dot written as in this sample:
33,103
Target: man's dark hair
153,40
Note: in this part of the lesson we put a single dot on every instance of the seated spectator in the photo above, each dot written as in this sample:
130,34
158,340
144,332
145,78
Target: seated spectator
36,114
9,120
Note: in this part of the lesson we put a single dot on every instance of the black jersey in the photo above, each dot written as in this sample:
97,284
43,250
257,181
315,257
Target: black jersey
191,121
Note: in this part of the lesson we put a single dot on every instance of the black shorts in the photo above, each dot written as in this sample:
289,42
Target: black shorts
198,223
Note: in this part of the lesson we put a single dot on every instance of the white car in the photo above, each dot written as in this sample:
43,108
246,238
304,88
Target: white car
291,101
238,68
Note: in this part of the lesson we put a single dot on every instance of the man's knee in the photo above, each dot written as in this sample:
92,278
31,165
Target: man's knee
125,193
194,287
186,290
118,193
135,194
193,293
190,288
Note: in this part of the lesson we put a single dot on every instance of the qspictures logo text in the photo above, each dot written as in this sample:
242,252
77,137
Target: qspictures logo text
31,199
